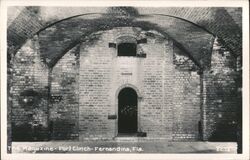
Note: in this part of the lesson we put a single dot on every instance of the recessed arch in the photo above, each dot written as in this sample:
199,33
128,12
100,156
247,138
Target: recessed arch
207,30
128,85
128,38
211,28
127,111
139,100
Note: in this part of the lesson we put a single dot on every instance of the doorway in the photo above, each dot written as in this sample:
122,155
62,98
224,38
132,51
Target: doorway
127,111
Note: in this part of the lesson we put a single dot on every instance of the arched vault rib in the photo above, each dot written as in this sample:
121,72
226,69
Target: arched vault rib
146,22
216,21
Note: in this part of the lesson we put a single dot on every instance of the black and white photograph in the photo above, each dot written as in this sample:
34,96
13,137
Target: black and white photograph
125,80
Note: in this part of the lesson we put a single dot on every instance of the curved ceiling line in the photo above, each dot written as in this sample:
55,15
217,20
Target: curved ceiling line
195,24
54,23
86,14
77,41
68,18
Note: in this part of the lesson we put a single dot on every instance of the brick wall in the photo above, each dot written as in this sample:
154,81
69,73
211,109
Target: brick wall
168,91
186,99
80,91
23,27
64,100
157,79
220,95
212,19
29,94
95,83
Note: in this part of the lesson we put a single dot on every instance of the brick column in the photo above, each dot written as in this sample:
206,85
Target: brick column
203,129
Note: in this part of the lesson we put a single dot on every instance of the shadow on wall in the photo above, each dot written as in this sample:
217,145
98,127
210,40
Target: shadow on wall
224,133
29,132
33,125
61,129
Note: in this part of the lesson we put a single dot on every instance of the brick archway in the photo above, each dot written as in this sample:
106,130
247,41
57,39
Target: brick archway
128,85
72,44
139,99
231,34
127,111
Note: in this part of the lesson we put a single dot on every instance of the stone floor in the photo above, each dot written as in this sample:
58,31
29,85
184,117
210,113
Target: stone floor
123,147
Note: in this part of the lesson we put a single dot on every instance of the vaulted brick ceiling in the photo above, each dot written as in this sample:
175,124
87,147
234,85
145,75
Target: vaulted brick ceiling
192,29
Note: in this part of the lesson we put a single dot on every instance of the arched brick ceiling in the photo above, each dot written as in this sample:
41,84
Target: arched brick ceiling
222,22
59,38
216,20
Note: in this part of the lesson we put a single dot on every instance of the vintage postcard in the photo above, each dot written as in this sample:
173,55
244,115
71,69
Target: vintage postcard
125,79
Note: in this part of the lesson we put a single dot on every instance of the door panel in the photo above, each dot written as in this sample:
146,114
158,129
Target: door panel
127,111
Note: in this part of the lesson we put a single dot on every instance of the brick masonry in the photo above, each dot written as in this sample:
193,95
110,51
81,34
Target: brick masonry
103,74
220,95
186,98
72,100
29,94
64,100
215,19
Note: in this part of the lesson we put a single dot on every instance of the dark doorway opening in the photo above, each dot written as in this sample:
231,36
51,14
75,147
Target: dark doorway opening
127,111
127,49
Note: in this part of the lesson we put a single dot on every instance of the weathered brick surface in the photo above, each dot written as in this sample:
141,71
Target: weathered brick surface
64,100
156,79
29,93
220,95
186,98
94,99
187,105
167,92
80,91
214,19
25,25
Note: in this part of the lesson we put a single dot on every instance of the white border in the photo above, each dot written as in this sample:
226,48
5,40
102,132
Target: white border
142,3
78,3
